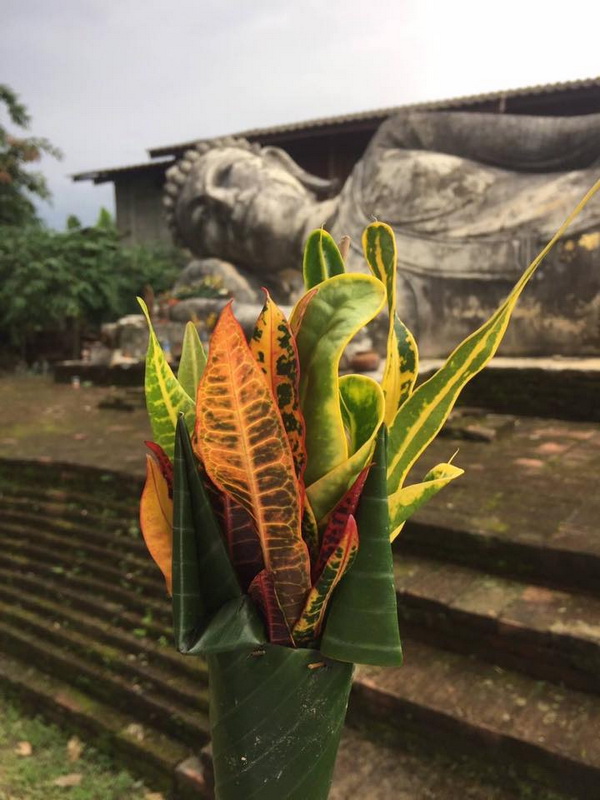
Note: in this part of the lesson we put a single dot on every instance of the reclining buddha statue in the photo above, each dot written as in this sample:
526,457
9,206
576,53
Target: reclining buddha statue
472,197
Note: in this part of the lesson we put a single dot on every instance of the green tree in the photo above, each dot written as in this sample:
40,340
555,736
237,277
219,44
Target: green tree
19,185
73,281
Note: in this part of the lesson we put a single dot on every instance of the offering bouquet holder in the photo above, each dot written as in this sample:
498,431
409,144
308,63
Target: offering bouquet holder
274,491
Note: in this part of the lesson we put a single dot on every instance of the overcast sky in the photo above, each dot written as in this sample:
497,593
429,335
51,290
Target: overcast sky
106,79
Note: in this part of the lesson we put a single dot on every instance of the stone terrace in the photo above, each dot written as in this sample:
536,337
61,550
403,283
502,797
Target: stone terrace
499,607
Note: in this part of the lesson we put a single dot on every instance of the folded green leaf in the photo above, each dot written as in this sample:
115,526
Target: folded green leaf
409,499
203,578
362,624
165,397
236,625
322,259
192,361
363,407
421,417
338,309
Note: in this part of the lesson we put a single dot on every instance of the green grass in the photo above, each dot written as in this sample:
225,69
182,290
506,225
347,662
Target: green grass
32,777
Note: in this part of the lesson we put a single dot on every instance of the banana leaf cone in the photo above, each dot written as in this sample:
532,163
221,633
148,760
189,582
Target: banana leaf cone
276,716
276,713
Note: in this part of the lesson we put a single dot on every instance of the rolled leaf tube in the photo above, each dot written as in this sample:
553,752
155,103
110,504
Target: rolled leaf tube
276,716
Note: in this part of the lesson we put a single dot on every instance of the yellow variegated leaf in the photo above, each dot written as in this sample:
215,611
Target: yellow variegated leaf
402,365
409,499
165,397
363,404
192,361
420,418
308,627
156,519
274,348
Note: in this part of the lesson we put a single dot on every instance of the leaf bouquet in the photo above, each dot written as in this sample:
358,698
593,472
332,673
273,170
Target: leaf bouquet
274,491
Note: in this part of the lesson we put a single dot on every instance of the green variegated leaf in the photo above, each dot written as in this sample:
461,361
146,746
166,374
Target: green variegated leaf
362,623
165,397
337,310
192,362
421,417
363,404
310,531
401,367
409,499
322,259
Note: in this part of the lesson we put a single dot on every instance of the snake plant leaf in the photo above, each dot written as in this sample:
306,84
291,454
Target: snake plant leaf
165,397
362,623
203,578
336,524
156,519
192,361
276,718
243,545
337,310
421,417
308,628
235,625
401,367
241,441
322,259
274,348
363,407
262,592
409,499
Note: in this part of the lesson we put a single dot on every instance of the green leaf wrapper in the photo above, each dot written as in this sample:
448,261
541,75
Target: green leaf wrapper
362,625
276,717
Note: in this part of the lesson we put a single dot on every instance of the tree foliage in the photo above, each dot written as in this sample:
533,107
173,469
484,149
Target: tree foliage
51,281
19,185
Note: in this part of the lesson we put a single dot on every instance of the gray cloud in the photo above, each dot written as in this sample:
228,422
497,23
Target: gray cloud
105,81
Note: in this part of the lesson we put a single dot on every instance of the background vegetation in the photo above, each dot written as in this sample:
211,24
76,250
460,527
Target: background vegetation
56,287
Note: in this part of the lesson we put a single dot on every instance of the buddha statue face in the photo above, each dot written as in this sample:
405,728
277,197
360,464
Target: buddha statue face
234,200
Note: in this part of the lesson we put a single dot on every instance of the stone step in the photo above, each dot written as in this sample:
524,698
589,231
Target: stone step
431,536
128,663
547,633
115,634
155,757
464,705
72,558
65,539
115,596
22,637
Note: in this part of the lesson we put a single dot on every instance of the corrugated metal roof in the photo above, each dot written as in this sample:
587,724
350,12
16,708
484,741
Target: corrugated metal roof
104,175
313,125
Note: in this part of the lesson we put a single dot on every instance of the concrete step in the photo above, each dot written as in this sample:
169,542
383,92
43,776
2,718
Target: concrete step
159,759
461,704
546,633
22,638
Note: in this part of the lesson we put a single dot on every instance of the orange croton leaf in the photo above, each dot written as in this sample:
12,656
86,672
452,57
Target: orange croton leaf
156,519
241,440
274,348
262,592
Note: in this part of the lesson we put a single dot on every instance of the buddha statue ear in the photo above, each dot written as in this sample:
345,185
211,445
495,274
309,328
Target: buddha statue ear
321,187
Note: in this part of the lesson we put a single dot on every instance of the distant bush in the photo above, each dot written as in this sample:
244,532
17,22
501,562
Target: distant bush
70,282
